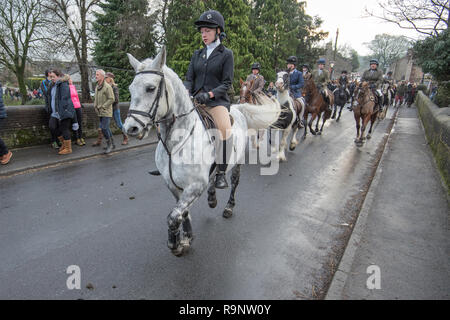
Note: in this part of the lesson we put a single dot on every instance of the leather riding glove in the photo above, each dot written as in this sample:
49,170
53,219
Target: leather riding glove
202,98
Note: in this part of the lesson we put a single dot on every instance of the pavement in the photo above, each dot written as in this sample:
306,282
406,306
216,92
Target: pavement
42,156
291,237
402,232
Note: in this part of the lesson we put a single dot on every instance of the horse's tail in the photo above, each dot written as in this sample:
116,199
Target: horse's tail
260,116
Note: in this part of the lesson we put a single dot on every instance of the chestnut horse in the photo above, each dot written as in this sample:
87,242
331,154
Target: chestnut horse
364,109
315,105
246,94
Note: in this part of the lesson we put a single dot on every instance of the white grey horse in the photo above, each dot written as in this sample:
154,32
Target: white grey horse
185,153
285,100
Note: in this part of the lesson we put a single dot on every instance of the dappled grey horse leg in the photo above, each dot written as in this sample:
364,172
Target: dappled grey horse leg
235,174
178,215
187,236
212,200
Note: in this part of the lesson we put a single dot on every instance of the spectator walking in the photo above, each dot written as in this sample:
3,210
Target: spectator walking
5,154
109,77
62,110
400,94
103,101
77,106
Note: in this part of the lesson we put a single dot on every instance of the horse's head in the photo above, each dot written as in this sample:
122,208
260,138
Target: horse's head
307,76
149,98
282,82
245,95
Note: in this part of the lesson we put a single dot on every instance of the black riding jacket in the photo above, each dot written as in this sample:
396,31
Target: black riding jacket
213,74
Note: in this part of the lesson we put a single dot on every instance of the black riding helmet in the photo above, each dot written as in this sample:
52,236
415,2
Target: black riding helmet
344,71
374,61
305,66
256,65
292,60
211,19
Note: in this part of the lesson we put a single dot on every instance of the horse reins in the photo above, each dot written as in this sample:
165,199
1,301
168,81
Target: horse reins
152,114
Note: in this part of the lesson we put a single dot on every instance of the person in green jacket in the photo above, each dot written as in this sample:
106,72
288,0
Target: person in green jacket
321,78
103,105
375,79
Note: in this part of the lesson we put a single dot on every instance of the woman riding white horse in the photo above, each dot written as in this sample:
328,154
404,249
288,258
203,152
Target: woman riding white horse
158,97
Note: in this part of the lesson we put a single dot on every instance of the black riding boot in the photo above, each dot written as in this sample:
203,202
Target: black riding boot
221,180
226,150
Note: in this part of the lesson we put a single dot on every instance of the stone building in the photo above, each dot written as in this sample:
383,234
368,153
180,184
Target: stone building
406,69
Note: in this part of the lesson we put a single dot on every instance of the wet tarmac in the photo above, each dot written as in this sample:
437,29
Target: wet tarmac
108,216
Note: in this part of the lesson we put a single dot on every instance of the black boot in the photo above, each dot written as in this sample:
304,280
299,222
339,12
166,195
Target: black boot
224,153
221,180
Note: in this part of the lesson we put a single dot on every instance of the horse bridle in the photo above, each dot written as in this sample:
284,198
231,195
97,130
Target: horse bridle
155,105
152,115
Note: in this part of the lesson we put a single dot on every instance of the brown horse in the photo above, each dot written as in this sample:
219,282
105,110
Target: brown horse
364,109
315,105
246,94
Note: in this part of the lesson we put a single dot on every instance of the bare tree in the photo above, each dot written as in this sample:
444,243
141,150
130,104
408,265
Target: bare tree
74,17
387,48
23,33
427,17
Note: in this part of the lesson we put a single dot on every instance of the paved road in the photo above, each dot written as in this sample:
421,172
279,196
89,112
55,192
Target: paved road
108,216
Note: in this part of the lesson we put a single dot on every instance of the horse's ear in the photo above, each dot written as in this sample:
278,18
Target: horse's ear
160,59
133,61
241,81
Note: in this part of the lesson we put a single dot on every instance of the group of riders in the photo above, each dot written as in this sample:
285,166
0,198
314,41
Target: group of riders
210,76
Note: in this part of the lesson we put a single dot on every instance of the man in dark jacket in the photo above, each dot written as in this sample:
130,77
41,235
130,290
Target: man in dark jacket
296,81
5,154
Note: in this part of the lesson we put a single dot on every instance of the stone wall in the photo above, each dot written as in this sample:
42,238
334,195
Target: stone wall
436,122
28,125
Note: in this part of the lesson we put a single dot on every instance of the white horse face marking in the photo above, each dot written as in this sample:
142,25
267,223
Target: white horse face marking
144,94
282,82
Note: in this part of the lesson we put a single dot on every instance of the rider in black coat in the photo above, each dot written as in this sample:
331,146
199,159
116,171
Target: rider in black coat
209,77
213,74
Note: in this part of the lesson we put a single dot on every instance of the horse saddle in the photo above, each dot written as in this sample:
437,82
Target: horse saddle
206,117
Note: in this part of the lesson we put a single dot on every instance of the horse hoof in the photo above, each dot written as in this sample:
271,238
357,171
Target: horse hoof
178,252
313,133
227,213
292,147
212,204
317,130
337,120
186,244
319,133
368,136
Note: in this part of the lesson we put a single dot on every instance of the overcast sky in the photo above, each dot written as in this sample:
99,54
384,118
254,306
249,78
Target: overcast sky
347,15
